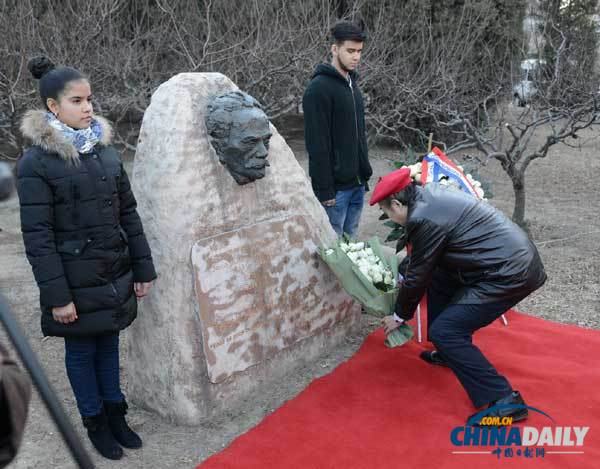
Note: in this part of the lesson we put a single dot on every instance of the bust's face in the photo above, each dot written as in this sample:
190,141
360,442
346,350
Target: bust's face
245,151
240,135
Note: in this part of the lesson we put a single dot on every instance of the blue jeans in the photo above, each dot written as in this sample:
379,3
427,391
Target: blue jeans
93,370
345,214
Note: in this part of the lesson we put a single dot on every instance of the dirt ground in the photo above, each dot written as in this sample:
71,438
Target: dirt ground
562,208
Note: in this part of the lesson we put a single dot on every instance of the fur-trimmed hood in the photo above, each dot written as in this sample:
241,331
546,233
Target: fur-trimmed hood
36,128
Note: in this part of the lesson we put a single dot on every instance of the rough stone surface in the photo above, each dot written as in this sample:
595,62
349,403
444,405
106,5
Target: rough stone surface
7,183
241,295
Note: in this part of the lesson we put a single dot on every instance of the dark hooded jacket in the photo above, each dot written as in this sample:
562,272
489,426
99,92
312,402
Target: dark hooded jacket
490,256
334,133
82,234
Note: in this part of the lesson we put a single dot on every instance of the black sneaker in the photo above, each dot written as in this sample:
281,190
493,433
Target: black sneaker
512,406
433,357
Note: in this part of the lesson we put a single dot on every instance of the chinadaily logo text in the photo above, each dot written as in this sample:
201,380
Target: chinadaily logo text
491,435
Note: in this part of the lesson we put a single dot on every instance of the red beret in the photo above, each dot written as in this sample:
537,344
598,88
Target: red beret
390,184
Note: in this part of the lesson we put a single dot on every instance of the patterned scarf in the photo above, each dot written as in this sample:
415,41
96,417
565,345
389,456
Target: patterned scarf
83,140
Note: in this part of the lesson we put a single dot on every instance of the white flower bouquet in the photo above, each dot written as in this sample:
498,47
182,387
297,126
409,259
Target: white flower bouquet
370,278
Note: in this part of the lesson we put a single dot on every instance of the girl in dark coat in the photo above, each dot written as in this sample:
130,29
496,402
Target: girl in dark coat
85,243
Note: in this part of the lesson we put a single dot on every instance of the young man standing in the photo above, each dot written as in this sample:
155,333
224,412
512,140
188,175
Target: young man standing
334,131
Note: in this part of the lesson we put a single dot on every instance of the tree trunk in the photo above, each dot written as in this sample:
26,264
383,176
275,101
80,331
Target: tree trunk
518,182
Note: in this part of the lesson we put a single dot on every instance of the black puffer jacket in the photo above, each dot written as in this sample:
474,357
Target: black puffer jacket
82,234
473,242
334,133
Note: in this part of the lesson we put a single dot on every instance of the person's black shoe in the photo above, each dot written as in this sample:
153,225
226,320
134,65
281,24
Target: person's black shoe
118,426
433,357
512,406
101,436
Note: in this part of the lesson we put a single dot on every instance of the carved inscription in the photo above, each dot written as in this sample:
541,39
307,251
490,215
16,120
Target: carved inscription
258,293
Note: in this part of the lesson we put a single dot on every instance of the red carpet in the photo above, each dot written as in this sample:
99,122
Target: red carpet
386,408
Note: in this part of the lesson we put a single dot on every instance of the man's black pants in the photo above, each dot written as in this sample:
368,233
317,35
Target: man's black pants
451,326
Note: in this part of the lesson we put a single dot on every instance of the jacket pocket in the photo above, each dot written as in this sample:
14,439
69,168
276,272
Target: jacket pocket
346,170
73,248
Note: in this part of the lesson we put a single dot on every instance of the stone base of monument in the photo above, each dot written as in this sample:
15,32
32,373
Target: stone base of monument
242,297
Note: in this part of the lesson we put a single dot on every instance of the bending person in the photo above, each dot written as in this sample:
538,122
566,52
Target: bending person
474,264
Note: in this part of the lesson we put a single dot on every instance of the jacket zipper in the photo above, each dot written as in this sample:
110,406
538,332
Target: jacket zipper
75,195
355,127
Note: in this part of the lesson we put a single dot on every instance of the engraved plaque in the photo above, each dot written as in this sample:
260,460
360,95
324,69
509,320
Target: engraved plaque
260,289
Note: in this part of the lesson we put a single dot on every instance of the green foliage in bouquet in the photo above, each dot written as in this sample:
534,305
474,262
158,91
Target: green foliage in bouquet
399,336
377,298
397,233
411,156
375,301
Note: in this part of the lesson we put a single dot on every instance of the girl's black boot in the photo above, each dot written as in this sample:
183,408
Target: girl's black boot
118,426
101,436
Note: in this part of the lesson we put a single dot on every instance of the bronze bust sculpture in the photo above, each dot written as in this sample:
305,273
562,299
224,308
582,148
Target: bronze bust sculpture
240,134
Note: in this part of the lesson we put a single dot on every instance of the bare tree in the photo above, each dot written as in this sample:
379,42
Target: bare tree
425,59
128,48
564,102
437,53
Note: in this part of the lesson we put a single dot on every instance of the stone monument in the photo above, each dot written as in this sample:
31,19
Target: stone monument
242,297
